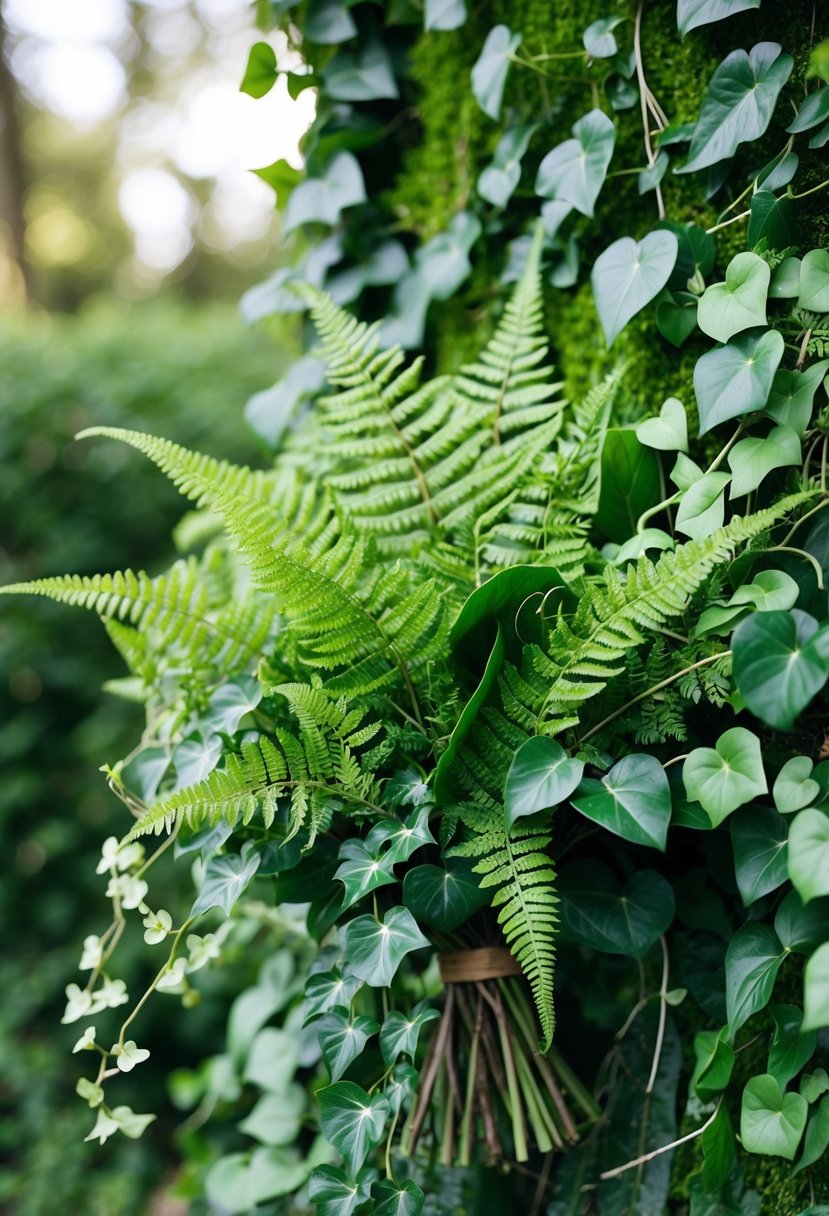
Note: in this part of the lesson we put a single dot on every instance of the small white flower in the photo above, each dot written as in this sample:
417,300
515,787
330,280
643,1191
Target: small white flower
129,855
89,1091
78,1004
129,1055
158,925
202,950
87,1040
110,995
173,978
128,1122
105,1126
131,891
109,853
93,953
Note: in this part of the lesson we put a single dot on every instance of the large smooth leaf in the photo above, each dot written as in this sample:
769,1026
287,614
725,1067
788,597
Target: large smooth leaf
809,854
668,432
816,1140
802,927
225,878
814,281
772,220
727,776
260,70
598,913
574,172
760,838
633,801
489,74
376,950
630,482
334,1193
403,837
628,275
327,989
791,1047
771,1122
342,1038
701,509
362,74
813,111
511,598
816,990
323,199
752,961
397,1198
443,896
792,394
752,459
541,776
400,1032
738,103
737,378
363,871
240,1181
692,13
739,303
781,662
276,1118
230,702
352,1121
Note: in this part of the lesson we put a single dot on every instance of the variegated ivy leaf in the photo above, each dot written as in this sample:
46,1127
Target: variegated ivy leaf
352,1121
402,838
327,989
342,1038
400,1031
363,871
376,949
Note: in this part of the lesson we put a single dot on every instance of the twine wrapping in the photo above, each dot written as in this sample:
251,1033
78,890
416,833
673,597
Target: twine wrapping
469,966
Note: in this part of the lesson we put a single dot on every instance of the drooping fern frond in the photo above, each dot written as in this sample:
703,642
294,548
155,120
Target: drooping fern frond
315,766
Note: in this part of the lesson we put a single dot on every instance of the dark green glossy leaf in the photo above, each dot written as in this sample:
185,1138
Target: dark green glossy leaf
364,871
802,927
816,1140
443,896
791,1048
676,317
443,782
352,1121
342,1039
772,220
400,1031
760,838
334,1193
376,950
752,961
736,379
540,777
630,482
397,1199
633,801
719,1146
813,111
401,838
780,664
595,912
327,989
714,1063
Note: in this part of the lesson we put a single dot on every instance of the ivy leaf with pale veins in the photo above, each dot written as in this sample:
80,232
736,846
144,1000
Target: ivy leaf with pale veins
574,172
489,74
628,275
690,14
375,950
352,1121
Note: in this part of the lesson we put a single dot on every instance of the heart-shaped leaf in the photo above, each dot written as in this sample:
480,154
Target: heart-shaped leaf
574,172
785,280
802,927
816,1140
271,1061
498,181
489,75
397,1198
760,838
352,1121
771,1122
751,459
595,912
752,961
260,70
443,896
794,786
444,14
333,1193
714,1063
813,111
541,776
325,198
276,1118
736,379
364,73
726,309
676,317
809,853
738,103
225,878
400,1032
725,777
780,662
401,838
814,281
792,394
628,275
692,13
365,870
328,22
327,989
816,990
442,264
239,1182
668,432
376,950
792,1047
342,1038
701,510
598,38
772,220
633,801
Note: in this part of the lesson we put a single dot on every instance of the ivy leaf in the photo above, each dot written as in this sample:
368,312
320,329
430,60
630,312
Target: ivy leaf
597,913
269,412
816,990
668,432
376,950
400,1087
443,897
725,309
752,961
240,1181
630,481
701,510
692,13
444,14
791,1047
676,317
499,180
225,878
397,1199
402,837
738,103
323,199
737,378
816,1140
328,22
364,870
342,1038
809,854
443,263
327,989
771,1122
772,220
230,702
489,74
628,275
271,1061
260,71
633,801
794,786
813,111
725,777
802,927
333,1193
362,74
715,1063
574,172
598,38
276,1118
352,1121
814,281
760,838
400,1032
541,776
792,394
752,459
780,663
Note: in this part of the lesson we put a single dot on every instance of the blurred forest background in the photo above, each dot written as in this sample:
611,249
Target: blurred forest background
129,226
